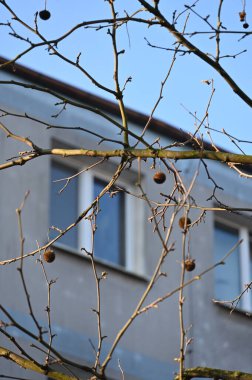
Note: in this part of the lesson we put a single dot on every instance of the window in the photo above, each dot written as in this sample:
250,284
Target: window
110,226
231,278
117,222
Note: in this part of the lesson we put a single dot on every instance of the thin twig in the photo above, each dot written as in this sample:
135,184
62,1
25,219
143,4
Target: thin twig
20,268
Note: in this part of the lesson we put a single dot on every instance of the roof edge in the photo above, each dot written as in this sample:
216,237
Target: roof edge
83,96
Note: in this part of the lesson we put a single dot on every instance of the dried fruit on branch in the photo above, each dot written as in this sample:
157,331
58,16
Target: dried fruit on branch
184,223
49,255
190,264
242,16
44,14
159,177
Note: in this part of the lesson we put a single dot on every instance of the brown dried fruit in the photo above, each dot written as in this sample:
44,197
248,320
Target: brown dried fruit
242,16
184,223
159,177
189,265
49,255
45,14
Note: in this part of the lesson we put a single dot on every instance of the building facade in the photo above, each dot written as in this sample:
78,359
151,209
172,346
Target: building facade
126,249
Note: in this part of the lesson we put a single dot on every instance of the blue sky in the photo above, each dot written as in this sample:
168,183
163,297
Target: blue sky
184,90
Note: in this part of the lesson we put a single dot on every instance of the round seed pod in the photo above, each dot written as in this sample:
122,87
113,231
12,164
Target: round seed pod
44,14
49,255
189,265
159,177
245,25
184,223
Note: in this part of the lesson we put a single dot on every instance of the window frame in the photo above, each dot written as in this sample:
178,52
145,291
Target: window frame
245,257
134,233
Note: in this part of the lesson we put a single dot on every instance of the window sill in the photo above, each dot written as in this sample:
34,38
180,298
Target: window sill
237,310
111,266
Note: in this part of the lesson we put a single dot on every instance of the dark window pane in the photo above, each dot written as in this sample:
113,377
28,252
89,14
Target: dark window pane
64,205
109,236
227,276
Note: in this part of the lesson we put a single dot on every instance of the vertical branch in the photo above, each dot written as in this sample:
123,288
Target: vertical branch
218,31
119,93
20,229
186,222
181,304
98,293
48,312
20,268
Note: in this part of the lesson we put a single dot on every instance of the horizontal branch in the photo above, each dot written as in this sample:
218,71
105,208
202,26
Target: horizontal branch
214,373
133,153
149,153
28,364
